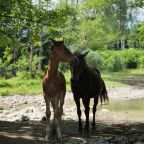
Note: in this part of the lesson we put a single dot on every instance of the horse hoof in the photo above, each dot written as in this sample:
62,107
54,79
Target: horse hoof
47,139
60,140
86,130
93,128
53,132
80,131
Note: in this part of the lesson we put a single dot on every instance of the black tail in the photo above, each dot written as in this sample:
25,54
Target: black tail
104,96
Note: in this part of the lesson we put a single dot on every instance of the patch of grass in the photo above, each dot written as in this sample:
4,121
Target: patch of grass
111,80
4,92
20,86
115,79
27,86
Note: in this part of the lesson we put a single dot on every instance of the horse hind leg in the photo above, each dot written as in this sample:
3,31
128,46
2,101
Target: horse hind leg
58,111
57,114
87,108
54,122
94,111
77,101
62,97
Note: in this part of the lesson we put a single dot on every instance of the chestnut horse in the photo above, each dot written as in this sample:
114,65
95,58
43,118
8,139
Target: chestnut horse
54,85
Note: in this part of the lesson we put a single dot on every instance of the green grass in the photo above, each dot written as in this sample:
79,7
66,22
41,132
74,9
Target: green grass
20,86
27,86
108,78
115,79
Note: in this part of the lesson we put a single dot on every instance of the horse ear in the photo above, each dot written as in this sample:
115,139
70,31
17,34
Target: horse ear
84,52
64,40
53,41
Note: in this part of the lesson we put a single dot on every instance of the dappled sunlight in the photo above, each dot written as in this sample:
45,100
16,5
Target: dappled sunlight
29,133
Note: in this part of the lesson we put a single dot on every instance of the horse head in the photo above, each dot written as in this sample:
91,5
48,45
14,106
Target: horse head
77,69
62,53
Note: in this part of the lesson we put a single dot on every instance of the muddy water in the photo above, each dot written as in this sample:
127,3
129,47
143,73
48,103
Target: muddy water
123,110
127,105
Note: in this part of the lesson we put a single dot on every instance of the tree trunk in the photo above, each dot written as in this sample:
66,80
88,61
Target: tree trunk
122,44
40,52
31,59
14,62
40,55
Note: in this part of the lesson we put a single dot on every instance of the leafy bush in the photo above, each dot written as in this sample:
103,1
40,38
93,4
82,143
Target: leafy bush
4,92
118,64
94,60
131,58
63,67
141,62
117,60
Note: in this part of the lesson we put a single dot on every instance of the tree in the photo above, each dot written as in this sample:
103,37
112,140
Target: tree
22,27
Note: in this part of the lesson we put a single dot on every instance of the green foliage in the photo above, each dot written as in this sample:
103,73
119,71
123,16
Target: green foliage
4,92
114,79
64,67
5,63
115,61
141,62
26,28
22,63
119,64
95,60
22,85
131,59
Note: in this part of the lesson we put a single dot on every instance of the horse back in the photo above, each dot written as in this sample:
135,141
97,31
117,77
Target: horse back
89,85
94,82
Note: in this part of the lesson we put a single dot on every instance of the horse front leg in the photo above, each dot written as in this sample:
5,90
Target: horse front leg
86,105
48,114
94,111
77,101
57,114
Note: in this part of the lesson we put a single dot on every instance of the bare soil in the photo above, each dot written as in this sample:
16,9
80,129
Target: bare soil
112,126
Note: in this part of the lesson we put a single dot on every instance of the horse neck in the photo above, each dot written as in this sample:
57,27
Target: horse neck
85,70
52,67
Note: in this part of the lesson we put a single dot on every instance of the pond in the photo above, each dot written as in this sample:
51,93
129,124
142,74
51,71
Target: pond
123,110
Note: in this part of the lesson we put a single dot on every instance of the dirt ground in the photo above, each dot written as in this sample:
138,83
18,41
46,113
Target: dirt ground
115,124
33,133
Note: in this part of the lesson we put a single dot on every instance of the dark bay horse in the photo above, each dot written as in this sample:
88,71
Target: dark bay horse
54,85
86,83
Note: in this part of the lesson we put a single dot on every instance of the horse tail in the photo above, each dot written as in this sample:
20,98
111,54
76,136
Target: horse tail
104,96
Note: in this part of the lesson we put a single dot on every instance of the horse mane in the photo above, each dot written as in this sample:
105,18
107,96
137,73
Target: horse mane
81,58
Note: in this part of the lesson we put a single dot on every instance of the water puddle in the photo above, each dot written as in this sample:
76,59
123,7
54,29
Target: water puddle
123,110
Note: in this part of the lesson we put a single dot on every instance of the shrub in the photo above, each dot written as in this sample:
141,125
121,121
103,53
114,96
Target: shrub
131,58
118,64
94,60
63,67
141,62
121,59
4,92
108,64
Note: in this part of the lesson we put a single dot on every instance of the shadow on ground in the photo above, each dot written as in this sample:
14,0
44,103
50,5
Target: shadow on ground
138,82
34,133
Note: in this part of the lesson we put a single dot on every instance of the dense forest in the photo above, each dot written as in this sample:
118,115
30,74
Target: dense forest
113,30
